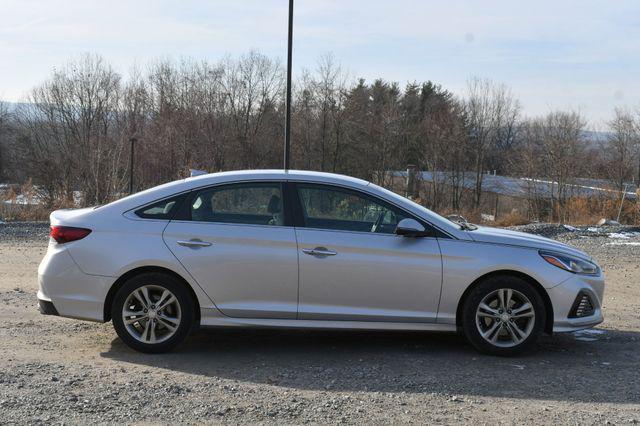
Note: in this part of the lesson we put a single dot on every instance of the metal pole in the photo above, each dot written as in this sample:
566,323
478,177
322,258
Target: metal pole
132,141
287,124
624,192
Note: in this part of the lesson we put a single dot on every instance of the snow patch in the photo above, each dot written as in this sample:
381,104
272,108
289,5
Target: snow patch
624,235
591,331
487,217
589,335
618,235
587,339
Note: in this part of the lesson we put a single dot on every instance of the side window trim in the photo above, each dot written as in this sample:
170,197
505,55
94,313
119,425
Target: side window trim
300,221
293,206
184,213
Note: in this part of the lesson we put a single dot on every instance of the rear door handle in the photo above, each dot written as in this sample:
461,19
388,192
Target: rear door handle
194,243
319,251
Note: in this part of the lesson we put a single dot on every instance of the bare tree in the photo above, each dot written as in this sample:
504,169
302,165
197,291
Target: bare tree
492,113
70,136
319,116
4,137
563,147
621,147
254,85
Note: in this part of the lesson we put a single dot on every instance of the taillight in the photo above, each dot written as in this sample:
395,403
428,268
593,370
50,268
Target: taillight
66,234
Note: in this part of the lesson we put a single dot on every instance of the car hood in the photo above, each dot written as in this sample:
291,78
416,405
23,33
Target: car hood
522,239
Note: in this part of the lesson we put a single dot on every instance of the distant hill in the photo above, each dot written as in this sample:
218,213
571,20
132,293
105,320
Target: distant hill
12,106
596,139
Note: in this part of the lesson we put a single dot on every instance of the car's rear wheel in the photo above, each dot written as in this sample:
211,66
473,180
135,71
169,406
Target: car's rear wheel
152,312
503,315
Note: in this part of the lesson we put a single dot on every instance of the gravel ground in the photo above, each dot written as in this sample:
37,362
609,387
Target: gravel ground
56,370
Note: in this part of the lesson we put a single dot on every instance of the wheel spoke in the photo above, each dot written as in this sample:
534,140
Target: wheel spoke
167,303
488,310
521,333
141,299
168,325
128,313
496,334
525,310
145,333
152,338
172,320
145,292
136,319
160,301
489,334
512,333
169,322
507,302
501,297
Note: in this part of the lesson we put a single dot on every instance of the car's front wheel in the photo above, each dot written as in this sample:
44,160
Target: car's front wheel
503,315
152,312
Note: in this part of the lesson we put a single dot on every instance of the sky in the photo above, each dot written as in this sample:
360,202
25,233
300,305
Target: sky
582,55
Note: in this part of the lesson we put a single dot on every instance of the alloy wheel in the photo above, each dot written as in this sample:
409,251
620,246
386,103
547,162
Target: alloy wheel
505,317
151,314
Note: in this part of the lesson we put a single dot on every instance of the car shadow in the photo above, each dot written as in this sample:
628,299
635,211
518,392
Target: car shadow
596,366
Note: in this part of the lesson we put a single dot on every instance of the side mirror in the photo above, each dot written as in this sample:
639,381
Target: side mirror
410,228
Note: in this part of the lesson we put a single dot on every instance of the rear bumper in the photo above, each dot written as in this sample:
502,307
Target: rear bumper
564,295
66,291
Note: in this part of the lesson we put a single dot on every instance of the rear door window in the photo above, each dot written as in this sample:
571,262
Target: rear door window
257,203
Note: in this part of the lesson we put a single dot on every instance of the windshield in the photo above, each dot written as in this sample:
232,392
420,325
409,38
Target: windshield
459,221
429,215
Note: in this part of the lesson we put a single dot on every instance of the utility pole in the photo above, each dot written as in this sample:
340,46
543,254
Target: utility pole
287,124
624,192
132,141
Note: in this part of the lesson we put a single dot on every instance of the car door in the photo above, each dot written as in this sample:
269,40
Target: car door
238,244
354,267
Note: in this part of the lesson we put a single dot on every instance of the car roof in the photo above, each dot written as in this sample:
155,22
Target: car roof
182,185
297,175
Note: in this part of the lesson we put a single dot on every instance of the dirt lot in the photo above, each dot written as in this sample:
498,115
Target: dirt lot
55,370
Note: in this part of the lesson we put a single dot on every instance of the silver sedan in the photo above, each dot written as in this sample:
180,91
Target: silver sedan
307,250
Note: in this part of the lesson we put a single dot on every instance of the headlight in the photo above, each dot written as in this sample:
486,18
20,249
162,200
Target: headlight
570,263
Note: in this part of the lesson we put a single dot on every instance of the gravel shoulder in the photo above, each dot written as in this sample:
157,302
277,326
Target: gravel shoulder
60,370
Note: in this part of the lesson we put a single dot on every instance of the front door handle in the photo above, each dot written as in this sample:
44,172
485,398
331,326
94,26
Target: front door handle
194,243
319,251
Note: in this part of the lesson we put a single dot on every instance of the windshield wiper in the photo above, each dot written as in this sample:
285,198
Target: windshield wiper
462,222
466,226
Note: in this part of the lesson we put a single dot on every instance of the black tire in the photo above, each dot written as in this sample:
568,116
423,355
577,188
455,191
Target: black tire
184,299
486,288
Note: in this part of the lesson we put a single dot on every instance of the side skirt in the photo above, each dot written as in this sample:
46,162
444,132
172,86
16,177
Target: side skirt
211,318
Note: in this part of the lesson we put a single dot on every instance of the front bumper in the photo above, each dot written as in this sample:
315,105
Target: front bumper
563,297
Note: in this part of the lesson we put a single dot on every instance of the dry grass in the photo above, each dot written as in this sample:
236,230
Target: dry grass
588,211
512,219
11,211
